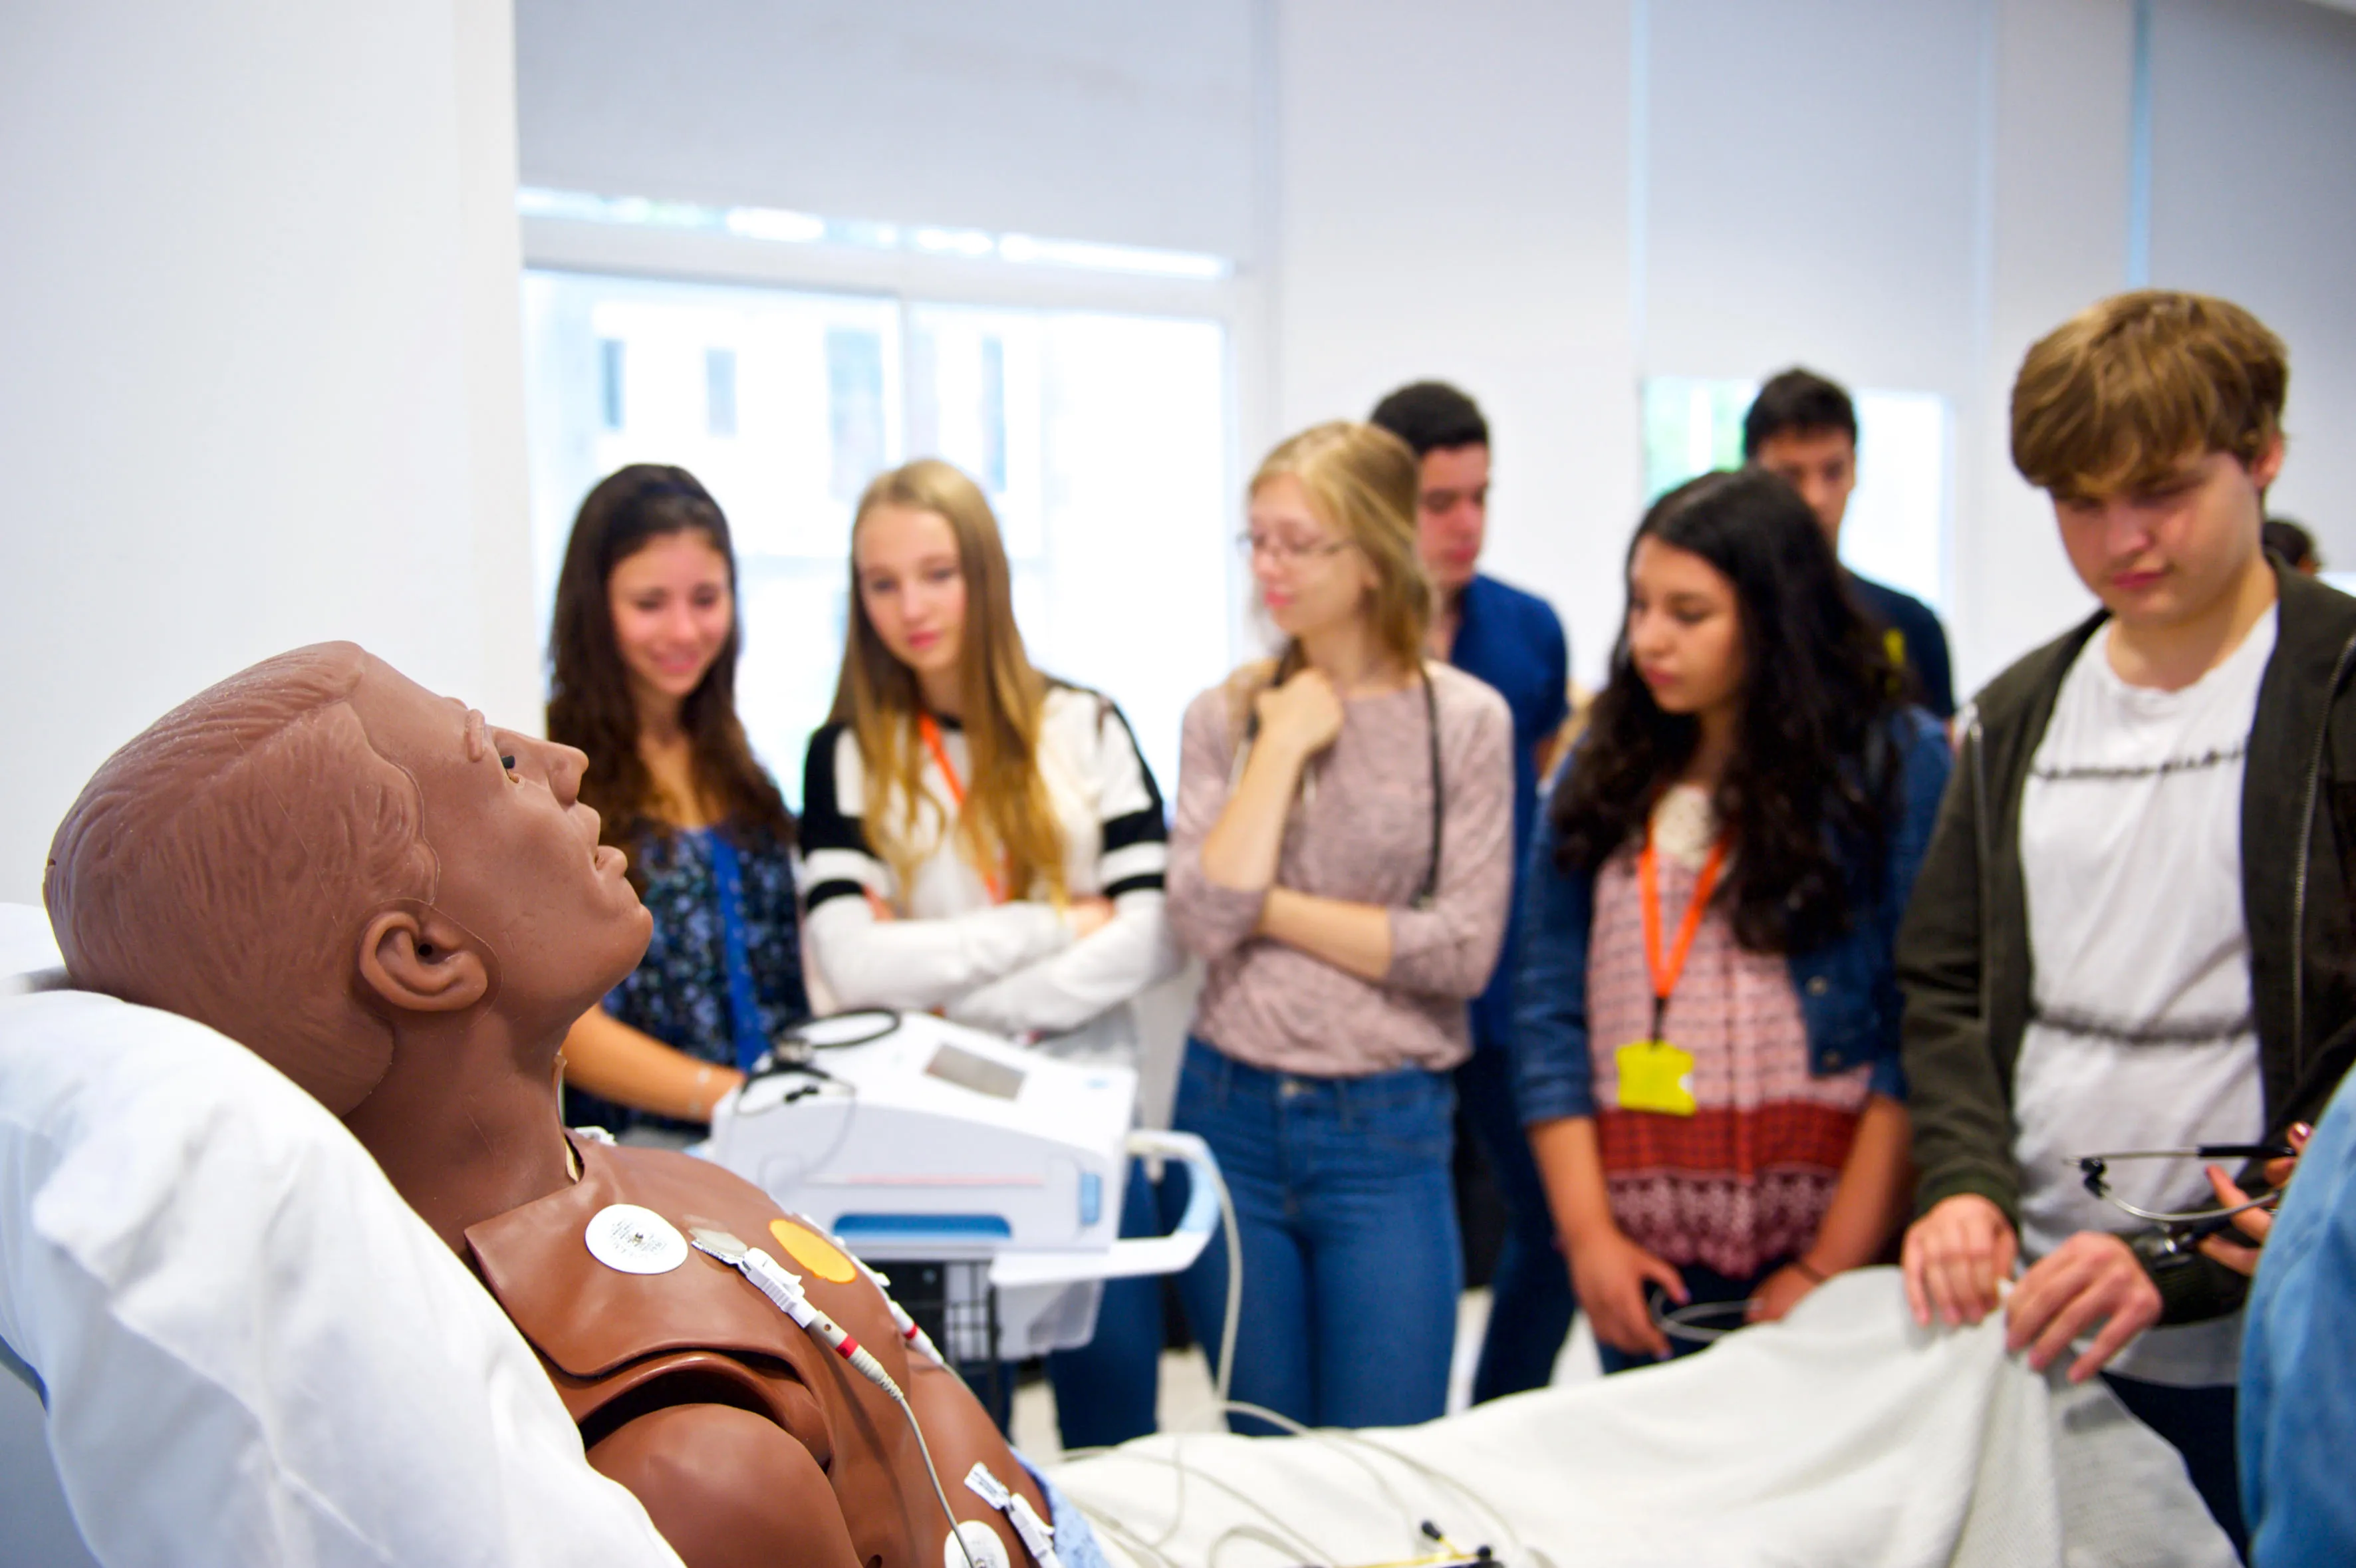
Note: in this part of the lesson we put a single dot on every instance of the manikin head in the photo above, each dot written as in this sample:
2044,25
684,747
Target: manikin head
317,853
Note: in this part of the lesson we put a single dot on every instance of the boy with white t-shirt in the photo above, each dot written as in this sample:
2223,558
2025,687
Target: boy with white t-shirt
2132,928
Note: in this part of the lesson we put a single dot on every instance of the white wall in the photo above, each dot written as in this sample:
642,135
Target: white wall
2060,113
2254,196
1903,196
1064,118
263,381
1452,193
1811,189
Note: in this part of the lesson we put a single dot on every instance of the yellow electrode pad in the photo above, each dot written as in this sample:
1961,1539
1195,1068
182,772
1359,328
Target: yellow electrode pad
1657,1076
813,1253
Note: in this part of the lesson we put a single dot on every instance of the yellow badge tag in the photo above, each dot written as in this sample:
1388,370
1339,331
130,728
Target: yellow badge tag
1657,1076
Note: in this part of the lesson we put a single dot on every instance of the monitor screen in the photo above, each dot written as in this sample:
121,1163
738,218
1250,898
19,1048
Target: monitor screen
978,1073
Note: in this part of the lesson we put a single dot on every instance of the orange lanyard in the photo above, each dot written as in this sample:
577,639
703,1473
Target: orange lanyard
1666,975
931,733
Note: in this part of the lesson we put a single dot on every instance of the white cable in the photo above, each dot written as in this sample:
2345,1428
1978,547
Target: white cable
1225,1374
783,1289
1343,1441
925,1449
1107,1525
1250,1532
1286,1423
1176,1461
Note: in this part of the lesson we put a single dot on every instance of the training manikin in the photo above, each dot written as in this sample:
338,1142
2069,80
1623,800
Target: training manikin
402,910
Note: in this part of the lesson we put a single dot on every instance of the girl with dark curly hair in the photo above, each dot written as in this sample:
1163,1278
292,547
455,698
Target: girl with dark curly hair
1706,1011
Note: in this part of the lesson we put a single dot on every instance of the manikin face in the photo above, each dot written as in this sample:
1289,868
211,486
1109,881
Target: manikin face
519,862
672,612
2167,553
1819,464
911,586
1310,577
1452,513
1685,630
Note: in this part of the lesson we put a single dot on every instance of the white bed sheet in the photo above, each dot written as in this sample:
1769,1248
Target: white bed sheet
1841,1436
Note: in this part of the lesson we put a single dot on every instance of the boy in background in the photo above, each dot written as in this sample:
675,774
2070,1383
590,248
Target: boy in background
2132,928
1803,429
1514,642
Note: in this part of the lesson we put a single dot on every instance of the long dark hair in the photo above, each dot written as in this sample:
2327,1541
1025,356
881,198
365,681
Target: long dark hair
1809,787
588,691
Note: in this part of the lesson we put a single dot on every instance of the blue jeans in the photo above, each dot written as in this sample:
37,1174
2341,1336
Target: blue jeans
1530,1298
1347,1217
1105,1390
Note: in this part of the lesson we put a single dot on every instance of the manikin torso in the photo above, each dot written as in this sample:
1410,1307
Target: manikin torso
618,1345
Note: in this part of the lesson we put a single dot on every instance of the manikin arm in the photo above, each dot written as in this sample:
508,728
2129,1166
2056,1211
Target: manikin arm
728,1489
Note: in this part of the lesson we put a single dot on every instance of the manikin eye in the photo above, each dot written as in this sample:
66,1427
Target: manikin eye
508,762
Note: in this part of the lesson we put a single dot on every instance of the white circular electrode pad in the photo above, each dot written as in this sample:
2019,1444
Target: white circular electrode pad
989,1551
636,1241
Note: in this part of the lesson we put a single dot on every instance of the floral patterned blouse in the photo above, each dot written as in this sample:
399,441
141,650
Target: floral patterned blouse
686,992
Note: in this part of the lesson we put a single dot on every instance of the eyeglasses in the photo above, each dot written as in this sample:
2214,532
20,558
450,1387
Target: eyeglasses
1285,552
2189,1225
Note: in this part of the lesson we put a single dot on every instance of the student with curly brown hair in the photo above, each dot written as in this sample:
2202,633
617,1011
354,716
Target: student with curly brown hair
1707,1010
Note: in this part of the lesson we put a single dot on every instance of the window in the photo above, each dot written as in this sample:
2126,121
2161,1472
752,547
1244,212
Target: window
1100,439
609,383
1895,530
719,391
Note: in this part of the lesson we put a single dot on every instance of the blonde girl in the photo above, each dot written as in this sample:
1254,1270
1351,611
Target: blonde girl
989,842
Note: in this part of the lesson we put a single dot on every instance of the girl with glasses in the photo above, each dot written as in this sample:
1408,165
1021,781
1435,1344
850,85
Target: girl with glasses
1341,858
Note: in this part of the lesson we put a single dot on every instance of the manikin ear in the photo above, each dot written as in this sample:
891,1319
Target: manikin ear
418,961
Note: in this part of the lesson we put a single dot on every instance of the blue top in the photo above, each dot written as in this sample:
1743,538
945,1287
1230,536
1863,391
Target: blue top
2295,1423
1917,642
724,974
1512,641
1847,987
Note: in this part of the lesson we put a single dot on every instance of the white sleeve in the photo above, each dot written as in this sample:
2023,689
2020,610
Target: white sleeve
1136,950
921,964
1133,951
905,963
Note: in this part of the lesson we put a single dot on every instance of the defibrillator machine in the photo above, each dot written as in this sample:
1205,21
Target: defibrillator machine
914,1139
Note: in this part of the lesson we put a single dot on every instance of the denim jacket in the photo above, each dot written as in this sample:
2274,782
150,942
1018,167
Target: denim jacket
1847,987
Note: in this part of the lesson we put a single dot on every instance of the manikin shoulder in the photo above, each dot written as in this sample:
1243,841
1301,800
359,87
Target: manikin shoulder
727,1487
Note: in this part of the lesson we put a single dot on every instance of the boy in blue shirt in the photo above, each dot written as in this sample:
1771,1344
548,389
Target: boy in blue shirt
1803,429
1514,642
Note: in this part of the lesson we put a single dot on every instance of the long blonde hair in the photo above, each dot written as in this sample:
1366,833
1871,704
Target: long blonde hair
1361,481
1006,821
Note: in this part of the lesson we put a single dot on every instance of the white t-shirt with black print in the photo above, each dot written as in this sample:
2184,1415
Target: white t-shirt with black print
2142,1030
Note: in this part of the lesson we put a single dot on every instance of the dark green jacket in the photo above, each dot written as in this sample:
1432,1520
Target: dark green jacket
1963,950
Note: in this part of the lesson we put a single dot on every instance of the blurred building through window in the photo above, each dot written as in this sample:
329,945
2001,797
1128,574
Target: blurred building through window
1896,528
1102,439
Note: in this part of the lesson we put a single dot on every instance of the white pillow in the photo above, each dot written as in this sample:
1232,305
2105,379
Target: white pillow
253,1351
